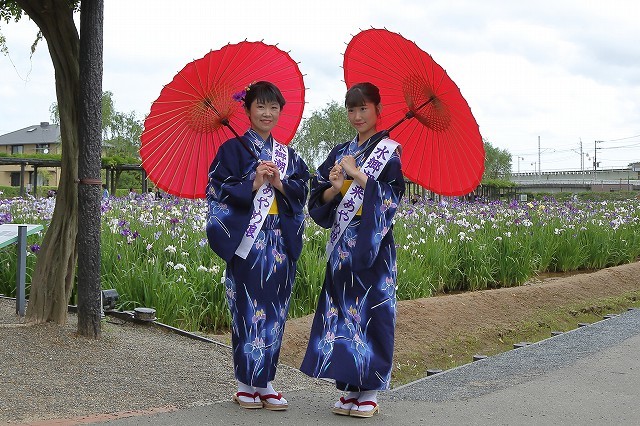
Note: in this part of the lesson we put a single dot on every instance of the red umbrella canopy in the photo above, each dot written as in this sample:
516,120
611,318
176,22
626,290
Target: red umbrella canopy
191,117
442,147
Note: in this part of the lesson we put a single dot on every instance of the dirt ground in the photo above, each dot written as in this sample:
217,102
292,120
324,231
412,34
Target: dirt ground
429,329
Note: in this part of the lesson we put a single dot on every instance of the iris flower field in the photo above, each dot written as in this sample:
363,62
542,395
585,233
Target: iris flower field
155,253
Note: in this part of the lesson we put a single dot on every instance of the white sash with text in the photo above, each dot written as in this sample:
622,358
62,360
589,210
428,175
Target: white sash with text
264,198
352,200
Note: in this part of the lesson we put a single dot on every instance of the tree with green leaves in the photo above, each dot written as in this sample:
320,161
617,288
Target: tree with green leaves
120,137
108,110
124,133
120,131
321,132
497,161
54,274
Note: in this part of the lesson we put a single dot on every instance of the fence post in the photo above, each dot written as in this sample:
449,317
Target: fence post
21,272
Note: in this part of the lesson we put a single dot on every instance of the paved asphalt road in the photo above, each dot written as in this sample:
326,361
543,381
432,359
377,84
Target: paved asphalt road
588,376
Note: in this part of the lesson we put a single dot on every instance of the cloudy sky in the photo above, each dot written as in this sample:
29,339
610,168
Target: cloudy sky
543,78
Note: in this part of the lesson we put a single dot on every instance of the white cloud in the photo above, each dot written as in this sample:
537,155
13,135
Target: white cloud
564,71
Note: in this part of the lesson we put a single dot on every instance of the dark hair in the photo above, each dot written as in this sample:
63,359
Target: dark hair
361,93
264,92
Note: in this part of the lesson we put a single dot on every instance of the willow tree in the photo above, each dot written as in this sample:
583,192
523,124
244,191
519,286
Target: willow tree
54,273
320,132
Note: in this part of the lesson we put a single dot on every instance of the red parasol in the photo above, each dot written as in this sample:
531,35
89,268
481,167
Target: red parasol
196,112
442,147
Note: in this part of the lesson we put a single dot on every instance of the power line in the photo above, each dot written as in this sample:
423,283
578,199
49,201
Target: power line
623,146
621,139
567,147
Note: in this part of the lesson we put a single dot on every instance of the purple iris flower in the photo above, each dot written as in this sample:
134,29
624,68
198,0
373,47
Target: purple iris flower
239,96
5,218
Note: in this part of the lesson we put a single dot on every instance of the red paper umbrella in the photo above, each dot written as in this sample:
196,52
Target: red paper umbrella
442,147
197,112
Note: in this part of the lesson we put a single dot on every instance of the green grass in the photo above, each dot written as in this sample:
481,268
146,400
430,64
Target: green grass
155,254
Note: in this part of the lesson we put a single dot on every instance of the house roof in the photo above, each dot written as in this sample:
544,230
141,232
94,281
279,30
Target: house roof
43,133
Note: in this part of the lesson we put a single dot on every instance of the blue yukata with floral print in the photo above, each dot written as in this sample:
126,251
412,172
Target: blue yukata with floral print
351,338
258,288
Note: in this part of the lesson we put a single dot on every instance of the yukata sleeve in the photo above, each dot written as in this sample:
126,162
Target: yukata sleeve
229,199
291,204
225,175
381,199
323,213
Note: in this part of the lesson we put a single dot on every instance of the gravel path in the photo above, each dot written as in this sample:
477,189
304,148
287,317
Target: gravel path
518,366
47,372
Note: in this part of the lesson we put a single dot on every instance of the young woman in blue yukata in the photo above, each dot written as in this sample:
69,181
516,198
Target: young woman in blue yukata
255,223
356,196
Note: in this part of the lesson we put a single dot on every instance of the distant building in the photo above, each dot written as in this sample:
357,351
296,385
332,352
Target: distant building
43,138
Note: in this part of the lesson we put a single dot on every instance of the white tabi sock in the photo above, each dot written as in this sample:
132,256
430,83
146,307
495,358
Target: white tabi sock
248,389
367,396
349,405
270,391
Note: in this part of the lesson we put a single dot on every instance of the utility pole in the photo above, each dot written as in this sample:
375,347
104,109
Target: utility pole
581,157
539,165
595,155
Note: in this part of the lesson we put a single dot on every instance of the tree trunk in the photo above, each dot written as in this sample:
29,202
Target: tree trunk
89,162
53,277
